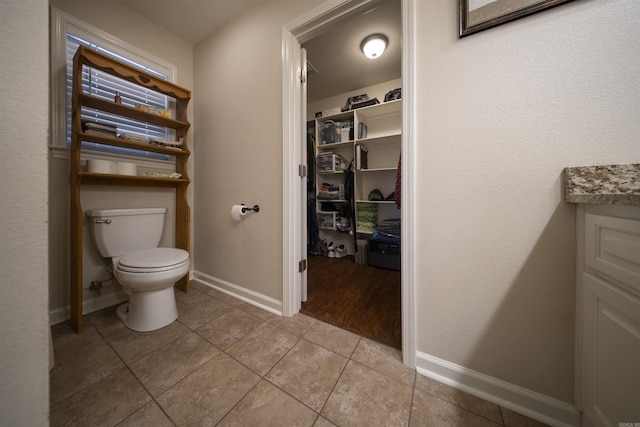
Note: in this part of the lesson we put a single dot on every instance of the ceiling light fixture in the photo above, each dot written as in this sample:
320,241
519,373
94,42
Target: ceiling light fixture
373,45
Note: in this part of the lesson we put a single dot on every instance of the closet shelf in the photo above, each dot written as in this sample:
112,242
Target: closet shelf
377,202
377,170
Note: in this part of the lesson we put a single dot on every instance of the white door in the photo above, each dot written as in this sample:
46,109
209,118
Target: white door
305,177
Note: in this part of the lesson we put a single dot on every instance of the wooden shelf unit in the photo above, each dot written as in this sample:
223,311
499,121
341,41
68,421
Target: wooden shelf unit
88,57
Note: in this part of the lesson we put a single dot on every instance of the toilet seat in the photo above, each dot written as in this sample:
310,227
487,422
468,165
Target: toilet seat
153,261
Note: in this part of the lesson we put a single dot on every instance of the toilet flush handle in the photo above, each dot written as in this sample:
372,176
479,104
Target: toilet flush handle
103,221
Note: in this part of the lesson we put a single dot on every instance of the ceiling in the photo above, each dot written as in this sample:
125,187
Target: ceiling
335,53
341,65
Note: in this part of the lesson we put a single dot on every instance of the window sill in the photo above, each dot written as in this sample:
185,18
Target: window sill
63,153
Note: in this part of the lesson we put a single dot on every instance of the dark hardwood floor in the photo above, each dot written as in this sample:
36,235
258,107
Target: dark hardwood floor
355,297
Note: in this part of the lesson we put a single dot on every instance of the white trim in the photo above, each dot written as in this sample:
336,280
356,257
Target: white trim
63,153
91,305
408,195
302,29
580,246
291,220
240,292
313,22
519,399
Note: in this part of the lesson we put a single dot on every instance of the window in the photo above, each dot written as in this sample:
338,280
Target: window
68,35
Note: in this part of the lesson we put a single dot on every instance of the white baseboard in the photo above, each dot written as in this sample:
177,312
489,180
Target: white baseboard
63,314
518,399
254,298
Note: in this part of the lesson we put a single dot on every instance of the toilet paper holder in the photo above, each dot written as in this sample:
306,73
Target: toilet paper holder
255,208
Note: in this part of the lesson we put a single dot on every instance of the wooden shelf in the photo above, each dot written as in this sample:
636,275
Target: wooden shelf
117,142
88,57
129,180
126,111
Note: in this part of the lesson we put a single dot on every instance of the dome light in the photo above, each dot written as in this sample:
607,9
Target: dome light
373,45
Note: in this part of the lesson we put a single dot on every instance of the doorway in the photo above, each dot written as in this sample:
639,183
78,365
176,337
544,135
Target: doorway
294,129
344,288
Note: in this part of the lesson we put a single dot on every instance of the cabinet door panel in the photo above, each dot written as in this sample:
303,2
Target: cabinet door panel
613,247
611,369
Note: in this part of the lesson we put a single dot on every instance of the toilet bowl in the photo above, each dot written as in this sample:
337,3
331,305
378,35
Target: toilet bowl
148,276
147,273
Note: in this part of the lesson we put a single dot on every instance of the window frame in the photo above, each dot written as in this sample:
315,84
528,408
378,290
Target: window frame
63,23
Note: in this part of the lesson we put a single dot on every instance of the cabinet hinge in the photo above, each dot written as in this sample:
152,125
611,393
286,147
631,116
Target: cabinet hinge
302,170
302,265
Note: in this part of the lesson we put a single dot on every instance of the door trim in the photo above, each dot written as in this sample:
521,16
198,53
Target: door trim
293,34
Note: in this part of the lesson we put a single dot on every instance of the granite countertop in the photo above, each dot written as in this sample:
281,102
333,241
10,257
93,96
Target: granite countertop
604,185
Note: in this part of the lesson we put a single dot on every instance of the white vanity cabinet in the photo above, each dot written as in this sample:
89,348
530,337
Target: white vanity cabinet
608,309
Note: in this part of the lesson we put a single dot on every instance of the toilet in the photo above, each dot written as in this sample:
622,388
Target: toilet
129,237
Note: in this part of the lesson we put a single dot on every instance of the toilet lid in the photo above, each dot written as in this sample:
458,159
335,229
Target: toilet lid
154,258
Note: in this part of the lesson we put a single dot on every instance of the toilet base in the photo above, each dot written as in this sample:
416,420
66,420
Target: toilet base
148,311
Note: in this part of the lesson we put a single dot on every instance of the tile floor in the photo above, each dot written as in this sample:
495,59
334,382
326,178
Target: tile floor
228,363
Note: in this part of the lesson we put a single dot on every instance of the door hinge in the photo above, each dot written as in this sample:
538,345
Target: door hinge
303,76
302,266
302,170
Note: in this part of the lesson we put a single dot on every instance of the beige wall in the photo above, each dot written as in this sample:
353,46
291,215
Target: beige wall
24,325
239,153
123,23
499,115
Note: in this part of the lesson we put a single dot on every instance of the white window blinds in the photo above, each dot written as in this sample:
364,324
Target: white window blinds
105,86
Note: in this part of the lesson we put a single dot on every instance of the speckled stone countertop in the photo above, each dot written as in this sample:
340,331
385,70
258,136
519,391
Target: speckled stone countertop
603,185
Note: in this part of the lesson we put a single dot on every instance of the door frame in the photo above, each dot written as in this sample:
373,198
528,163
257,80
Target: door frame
294,33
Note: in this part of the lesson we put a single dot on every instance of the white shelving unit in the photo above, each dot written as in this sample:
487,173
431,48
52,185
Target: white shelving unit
377,128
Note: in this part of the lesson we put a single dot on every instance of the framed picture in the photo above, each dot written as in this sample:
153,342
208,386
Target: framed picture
478,15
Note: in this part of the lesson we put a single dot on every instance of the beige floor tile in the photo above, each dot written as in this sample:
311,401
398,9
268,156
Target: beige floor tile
221,296
132,345
169,364
460,398
308,372
256,311
266,405
105,403
207,394
75,373
195,308
262,348
148,415
229,328
107,323
333,338
364,397
385,359
298,324
323,422
513,419
428,410
67,343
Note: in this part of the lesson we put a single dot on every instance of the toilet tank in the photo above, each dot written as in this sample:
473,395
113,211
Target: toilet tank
118,232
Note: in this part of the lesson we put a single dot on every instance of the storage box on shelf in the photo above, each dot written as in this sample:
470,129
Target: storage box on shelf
86,57
331,162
